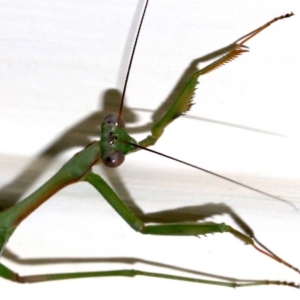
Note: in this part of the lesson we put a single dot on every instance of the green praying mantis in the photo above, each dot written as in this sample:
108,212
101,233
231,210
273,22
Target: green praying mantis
90,156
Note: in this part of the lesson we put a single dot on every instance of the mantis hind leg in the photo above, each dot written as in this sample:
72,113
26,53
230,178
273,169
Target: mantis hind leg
10,275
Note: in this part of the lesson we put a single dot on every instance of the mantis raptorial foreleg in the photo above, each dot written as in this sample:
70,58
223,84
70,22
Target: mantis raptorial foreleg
183,102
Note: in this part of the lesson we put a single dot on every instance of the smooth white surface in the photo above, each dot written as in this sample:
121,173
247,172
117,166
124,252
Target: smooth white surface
57,61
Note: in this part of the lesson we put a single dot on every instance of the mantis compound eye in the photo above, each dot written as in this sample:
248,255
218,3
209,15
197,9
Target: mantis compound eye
113,160
112,120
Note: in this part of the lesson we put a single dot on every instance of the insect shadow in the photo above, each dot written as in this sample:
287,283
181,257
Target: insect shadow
83,132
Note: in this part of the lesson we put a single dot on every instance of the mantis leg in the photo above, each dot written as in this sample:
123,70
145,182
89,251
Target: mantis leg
9,274
178,229
183,102
183,229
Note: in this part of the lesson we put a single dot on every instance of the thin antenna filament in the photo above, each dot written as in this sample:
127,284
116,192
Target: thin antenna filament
131,60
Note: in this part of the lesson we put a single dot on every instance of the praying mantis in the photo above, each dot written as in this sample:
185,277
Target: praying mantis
202,86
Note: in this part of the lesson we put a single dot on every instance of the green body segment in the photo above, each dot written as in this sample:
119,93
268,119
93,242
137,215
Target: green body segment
180,106
70,172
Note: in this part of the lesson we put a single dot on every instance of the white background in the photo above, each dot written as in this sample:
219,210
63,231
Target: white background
57,61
